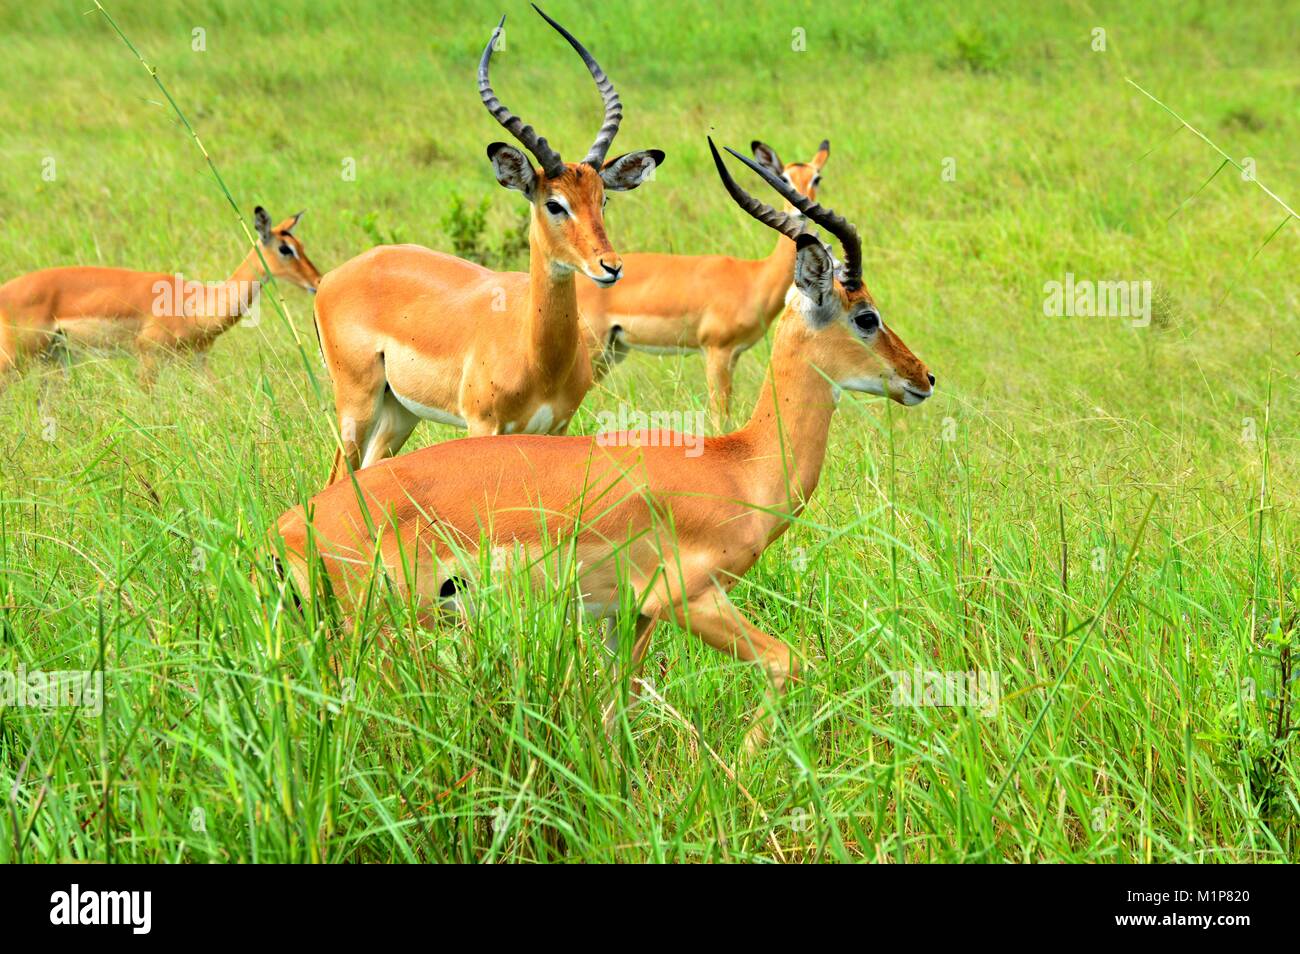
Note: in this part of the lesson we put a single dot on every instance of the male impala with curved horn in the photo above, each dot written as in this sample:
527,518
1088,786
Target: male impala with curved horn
678,530
411,334
715,304
155,313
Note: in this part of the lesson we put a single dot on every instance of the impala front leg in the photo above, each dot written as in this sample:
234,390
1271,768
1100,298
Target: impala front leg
718,364
481,426
716,620
606,351
645,627
359,390
388,431
355,419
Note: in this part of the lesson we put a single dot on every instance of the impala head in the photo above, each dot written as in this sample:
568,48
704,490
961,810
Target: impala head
284,254
568,198
844,335
804,176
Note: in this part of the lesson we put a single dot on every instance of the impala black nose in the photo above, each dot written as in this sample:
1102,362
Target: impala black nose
931,377
612,271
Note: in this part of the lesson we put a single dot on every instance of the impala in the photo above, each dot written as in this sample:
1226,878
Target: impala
650,527
154,313
715,304
411,334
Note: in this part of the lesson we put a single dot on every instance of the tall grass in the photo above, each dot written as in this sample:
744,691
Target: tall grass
1102,515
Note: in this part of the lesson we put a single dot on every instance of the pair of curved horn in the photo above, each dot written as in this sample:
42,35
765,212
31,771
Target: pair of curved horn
549,159
790,225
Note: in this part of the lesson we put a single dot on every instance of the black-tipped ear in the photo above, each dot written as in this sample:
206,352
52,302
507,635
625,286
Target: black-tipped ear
823,153
293,222
766,157
814,275
512,168
262,222
624,173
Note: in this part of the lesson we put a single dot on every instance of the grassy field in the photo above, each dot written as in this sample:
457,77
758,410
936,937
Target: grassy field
1102,515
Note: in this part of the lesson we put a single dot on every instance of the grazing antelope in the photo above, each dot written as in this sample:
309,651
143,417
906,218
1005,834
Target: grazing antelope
677,530
715,304
154,313
411,334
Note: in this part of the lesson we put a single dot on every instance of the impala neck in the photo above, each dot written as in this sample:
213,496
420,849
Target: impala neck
790,426
552,309
238,292
778,273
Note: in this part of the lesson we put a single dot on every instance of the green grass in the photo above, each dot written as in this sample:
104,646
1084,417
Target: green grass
1079,490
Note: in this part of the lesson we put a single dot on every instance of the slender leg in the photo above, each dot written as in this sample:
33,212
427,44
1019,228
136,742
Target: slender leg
359,386
358,405
716,620
645,627
21,341
607,349
481,426
337,467
389,431
718,365
355,420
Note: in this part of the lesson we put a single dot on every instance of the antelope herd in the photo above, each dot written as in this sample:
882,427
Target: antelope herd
411,334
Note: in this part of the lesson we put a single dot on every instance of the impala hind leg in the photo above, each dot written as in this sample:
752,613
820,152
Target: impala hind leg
20,343
719,363
716,620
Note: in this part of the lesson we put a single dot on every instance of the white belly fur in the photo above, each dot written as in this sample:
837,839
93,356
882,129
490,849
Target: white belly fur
627,341
426,413
659,349
97,333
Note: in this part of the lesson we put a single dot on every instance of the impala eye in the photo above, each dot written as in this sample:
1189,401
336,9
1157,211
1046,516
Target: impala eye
555,208
817,180
286,250
866,322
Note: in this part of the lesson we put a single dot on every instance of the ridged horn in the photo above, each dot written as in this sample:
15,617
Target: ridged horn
613,106
547,157
830,220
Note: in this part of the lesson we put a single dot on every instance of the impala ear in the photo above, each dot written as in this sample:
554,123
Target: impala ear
262,222
823,153
512,168
766,157
288,225
628,171
814,275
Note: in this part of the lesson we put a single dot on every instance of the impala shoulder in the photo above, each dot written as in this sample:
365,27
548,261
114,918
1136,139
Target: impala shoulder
290,528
